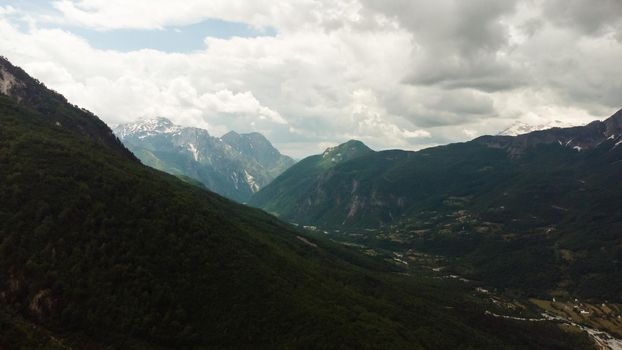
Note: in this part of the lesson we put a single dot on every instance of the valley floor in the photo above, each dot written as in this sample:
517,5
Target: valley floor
601,320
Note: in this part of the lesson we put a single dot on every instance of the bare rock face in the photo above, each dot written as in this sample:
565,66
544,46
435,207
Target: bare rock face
42,304
8,83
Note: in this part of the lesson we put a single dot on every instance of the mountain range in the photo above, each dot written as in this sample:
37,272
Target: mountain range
520,128
370,189
234,165
547,199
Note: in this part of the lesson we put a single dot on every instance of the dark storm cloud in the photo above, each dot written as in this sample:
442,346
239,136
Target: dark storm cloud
509,49
589,16
457,42
469,26
430,107
483,72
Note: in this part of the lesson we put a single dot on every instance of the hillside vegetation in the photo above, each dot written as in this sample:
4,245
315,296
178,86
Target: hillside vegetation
537,212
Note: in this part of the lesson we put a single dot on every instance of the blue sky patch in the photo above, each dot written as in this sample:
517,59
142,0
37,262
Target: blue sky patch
172,39
179,39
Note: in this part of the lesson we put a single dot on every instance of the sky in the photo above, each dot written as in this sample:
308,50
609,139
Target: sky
310,74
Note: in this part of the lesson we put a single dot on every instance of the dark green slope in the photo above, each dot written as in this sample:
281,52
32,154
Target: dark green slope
54,106
110,248
379,187
98,251
550,221
298,195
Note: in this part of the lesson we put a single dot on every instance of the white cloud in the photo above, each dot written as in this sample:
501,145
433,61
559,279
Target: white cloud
401,73
156,14
470,133
7,10
373,125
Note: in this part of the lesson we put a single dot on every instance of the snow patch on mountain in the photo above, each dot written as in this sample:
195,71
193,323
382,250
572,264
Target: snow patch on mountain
195,152
250,180
234,165
147,127
520,128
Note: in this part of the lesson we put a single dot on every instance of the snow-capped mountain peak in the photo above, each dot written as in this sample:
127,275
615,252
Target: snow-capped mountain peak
147,127
520,128
234,165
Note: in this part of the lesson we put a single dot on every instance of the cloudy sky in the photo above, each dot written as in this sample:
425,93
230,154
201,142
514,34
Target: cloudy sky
312,73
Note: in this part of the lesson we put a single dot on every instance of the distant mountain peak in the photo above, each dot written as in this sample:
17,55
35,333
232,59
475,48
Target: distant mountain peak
521,128
147,127
258,147
614,123
617,115
355,143
350,144
346,151
234,165
231,134
163,120
578,138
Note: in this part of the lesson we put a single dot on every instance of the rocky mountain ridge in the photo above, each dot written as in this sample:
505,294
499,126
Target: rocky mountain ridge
234,165
29,92
578,138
